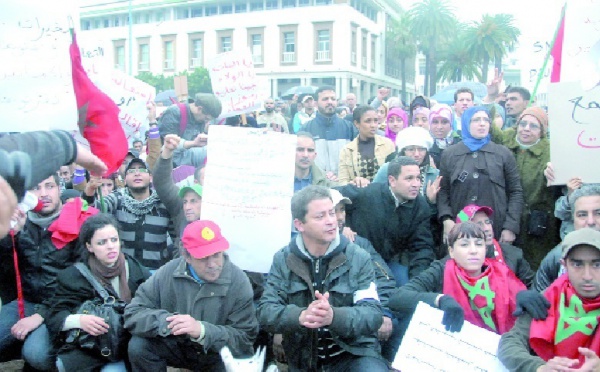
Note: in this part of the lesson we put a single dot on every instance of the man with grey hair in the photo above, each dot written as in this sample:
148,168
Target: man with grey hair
271,119
190,121
585,205
321,293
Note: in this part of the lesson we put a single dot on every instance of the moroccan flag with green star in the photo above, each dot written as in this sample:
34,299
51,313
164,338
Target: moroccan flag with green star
488,299
572,322
98,116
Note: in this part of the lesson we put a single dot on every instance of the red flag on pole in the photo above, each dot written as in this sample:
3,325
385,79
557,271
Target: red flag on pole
557,50
98,116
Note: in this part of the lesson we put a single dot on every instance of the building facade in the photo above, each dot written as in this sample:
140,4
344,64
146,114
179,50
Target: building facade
292,42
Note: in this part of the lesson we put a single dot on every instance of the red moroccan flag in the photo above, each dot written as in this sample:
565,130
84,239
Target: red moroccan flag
556,51
98,116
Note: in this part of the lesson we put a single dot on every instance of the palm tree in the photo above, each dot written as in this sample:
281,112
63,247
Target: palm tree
402,43
432,21
490,39
457,60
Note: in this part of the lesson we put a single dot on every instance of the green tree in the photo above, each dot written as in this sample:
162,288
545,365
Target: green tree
491,39
198,81
403,44
158,81
433,22
458,63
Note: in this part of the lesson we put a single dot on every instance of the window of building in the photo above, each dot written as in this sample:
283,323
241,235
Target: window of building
256,48
225,44
323,42
145,17
159,16
182,13
272,4
196,51
373,52
226,9
303,2
169,53
256,6
210,10
196,12
288,44
353,41
241,7
119,55
144,57
322,2
97,23
364,50
117,22
106,23
86,25
288,3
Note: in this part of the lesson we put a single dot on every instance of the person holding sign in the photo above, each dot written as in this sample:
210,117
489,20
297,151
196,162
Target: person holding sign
321,294
568,339
467,285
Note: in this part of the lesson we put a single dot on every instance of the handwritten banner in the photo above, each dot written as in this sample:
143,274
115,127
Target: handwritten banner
427,346
574,131
36,88
581,45
247,191
235,83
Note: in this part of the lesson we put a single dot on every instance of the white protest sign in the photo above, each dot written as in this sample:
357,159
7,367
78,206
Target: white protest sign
247,191
581,45
36,87
235,83
427,346
574,132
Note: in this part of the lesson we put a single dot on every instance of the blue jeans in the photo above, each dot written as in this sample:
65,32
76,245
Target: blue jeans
400,272
37,349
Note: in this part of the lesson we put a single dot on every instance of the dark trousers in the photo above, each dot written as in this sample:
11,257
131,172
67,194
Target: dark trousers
155,354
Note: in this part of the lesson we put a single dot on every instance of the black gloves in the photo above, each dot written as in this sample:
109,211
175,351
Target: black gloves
454,315
534,303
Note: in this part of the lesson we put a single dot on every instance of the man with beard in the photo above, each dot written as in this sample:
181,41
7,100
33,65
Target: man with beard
330,132
143,218
271,119
39,261
192,307
190,122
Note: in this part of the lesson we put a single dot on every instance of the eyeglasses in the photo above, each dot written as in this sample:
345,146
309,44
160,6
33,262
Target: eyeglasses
137,170
480,119
532,126
415,149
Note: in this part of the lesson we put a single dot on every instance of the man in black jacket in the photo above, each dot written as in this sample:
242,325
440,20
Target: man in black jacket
39,263
395,218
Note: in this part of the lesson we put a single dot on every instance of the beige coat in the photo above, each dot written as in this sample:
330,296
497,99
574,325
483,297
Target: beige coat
350,163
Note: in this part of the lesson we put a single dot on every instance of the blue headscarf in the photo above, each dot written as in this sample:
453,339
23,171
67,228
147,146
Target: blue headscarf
500,110
472,143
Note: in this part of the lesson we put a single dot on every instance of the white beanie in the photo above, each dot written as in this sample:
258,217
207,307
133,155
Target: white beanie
414,136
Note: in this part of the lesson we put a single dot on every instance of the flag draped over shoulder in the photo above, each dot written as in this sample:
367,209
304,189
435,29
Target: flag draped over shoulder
98,116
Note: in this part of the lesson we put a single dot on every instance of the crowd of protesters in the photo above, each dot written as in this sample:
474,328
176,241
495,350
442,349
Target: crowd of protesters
394,203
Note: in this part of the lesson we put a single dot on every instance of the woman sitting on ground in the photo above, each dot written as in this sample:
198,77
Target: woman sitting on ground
118,273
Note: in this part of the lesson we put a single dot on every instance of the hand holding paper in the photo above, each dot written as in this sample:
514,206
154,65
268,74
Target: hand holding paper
454,315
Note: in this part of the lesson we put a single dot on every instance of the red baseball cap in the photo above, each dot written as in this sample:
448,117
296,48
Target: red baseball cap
469,211
203,238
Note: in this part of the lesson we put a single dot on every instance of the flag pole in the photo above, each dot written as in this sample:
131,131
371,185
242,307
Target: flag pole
541,73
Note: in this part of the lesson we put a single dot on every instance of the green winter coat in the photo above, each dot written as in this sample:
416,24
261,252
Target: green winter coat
538,197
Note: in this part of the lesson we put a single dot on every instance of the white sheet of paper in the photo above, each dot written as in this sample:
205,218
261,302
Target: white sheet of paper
574,132
248,186
36,86
427,346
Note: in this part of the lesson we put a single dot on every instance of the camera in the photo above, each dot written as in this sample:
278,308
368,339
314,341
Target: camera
15,168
